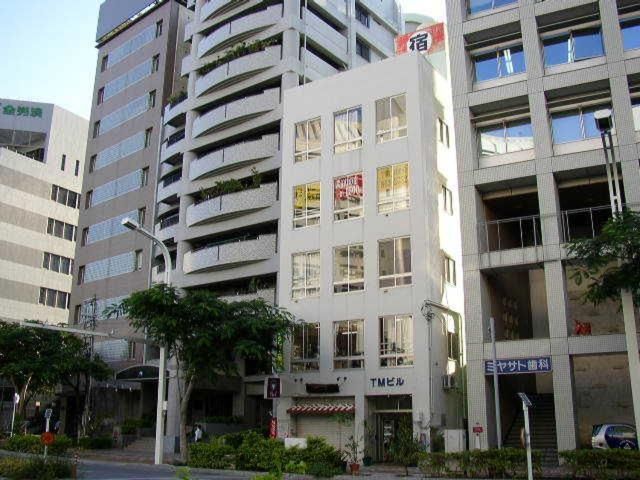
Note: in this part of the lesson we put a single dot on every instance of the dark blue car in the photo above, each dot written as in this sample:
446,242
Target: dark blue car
614,435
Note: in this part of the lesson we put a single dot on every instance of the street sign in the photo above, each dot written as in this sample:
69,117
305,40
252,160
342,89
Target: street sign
514,366
47,438
47,413
525,399
478,429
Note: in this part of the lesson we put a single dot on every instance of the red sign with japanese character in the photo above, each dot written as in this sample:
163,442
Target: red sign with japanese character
426,40
348,187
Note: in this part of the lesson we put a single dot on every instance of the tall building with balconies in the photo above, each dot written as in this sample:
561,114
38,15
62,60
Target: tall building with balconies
139,45
218,186
527,78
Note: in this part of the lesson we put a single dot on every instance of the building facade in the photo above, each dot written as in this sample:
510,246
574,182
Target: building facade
219,183
370,254
527,77
41,165
138,50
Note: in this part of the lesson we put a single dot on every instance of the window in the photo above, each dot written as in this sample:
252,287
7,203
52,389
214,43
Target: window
92,163
635,107
362,15
57,263
499,63
447,200
443,132
348,268
305,347
76,171
348,130
144,180
575,125
64,196
155,63
110,227
96,129
63,162
308,140
394,262
348,197
306,275
53,298
88,199
363,50
81,275
104,63
131,350
396,340
391,118
85,236
158,28
306,205
449,270
573,46
393,188
61,229
506,137
147,137
476,6
138,260
348,344
100,96
142,213
152,99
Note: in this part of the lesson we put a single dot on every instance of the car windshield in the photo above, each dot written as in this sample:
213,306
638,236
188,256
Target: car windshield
596,429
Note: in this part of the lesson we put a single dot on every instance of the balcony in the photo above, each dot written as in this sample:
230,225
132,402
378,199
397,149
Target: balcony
234,157
232,205
317,68
228,255
237,70
217,7
188,31
238,30
584,222
510,233
173,147
338,8
390,12
325,35
168,227
169,187
187,65
175,112
236,112
268,295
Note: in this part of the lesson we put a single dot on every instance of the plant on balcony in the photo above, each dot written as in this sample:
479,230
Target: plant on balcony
206,335
224,187
238,51
177,97
256,178
610,262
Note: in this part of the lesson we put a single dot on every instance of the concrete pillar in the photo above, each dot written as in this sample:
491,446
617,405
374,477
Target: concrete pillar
564,402
549,204
360,418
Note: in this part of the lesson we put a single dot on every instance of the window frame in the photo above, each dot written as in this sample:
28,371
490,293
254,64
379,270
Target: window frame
362,15
351,284
159,25
104,63
395,133
304,155
309,290
447,200
498,50
395,276
353,361
580,109
363,50
449,273
571,44
352,143
505,124
305,361
395,350
100,99
493,7
349,210
395,201
306,219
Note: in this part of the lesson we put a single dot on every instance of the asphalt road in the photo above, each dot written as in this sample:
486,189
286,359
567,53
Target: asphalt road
94,470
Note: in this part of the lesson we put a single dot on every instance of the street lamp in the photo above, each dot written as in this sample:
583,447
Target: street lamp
162,366
604,123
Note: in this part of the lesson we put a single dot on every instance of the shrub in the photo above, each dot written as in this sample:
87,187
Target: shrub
216,454
34,468
97,443
130,425
603,464
260,454
320,458
32,444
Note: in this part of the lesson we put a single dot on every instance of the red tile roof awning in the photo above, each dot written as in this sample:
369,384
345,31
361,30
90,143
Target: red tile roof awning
321,409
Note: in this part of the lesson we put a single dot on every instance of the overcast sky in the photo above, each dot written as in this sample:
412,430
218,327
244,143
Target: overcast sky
48,55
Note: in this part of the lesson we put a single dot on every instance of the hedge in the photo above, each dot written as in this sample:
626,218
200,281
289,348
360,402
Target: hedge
504,463
603,464
34,468
32,444
97,443
255,453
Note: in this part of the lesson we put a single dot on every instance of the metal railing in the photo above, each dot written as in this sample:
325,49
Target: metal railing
176,137
584,222
506,234
173,178
170,221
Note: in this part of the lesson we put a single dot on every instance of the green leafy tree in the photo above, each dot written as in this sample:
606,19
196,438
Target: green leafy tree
610,262
205,335
405,447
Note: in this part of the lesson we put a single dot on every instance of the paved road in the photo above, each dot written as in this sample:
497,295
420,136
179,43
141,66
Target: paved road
95,470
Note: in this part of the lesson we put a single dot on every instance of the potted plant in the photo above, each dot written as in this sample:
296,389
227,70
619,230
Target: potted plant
352,453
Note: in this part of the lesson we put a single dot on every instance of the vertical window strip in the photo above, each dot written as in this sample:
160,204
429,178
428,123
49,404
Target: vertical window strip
118,187
120,150
131,46
130,78
109,228
124,114
110,267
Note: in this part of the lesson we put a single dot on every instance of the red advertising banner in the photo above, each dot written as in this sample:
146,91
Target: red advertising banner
273,427
426,40
348,187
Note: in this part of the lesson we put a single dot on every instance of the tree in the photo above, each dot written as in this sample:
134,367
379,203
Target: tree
205,335
405,447
610,262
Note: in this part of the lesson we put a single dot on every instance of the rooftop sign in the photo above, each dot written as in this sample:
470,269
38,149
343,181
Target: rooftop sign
17,110
425,40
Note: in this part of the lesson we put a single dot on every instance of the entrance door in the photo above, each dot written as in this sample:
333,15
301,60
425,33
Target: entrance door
387,426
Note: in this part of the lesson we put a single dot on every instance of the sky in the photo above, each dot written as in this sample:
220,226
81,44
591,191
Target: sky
47,49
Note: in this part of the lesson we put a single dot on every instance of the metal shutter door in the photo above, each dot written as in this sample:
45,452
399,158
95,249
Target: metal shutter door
325,427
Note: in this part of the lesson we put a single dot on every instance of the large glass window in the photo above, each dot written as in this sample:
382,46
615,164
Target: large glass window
348,130
449,270
394,262
630,28
348,268
575,125
476,6
305,348
57,263
306,275
391,118
308,140
348,344
396,340
348,197
53,298
506,137
393,188
573,46
499,63
306,205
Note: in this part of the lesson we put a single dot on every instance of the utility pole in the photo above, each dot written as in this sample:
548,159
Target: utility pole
88,319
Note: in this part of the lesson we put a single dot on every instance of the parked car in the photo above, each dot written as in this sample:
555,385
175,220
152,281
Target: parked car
614,435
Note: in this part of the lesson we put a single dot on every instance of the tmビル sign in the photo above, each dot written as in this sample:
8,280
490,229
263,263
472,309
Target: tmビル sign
382,382
513,366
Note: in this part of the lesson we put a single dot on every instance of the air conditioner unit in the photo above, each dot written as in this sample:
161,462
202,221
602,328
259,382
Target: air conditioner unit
448,382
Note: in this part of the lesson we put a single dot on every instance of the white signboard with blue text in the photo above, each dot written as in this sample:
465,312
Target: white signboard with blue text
514,366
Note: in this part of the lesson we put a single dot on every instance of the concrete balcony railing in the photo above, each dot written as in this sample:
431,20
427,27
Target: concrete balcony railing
237,70
175,110
232,205
165,233
187,65
172,149
188,31
236,112
267,294
327,36
338,8
228,255
239,29
390,12
377,35
233,157
216,7
316,67
167,190
167,168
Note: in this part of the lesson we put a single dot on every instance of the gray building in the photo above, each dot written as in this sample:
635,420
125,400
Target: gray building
527,77
218,187
41,164
138,49
370,254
